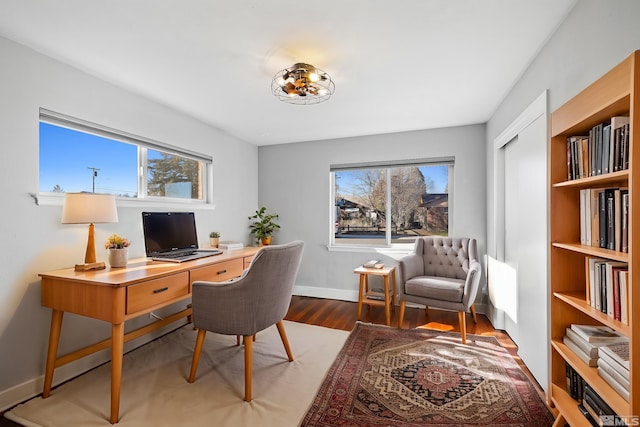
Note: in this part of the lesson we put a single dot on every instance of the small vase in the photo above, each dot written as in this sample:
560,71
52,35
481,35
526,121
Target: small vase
118,257
214,241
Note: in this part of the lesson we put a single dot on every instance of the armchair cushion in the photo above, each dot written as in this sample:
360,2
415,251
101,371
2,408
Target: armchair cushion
434,287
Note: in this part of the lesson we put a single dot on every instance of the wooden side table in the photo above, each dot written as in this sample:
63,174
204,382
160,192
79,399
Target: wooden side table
382,299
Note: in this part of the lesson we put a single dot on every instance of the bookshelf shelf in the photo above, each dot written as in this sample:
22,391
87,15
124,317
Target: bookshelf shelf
617,93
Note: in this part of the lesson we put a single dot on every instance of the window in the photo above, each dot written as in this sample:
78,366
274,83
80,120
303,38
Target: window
78,156
390,204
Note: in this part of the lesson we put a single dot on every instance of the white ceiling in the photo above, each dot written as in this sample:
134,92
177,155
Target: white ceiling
398,65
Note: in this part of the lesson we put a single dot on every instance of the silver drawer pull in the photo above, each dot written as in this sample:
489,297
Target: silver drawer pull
221,272
157,291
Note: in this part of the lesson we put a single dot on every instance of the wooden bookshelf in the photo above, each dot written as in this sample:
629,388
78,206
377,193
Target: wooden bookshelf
617,93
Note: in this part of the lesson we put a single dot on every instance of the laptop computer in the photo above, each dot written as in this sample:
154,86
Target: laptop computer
172,237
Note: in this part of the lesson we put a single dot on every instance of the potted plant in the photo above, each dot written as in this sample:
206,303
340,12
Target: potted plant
214,239
264,225
117,247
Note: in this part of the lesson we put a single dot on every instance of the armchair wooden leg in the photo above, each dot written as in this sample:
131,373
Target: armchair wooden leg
285,341
473,313
463,326
196,354
248,365
401,315
237,340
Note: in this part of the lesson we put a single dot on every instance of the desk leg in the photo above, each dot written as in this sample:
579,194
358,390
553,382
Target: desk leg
117,348
361,295
387,302
52,351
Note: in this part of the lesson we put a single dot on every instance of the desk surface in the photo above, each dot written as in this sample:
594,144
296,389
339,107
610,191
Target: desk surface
140,270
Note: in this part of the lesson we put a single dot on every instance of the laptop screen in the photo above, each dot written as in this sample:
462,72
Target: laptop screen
166,232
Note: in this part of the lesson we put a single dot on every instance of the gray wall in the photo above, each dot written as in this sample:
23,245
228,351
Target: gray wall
294,182
595,36
33,240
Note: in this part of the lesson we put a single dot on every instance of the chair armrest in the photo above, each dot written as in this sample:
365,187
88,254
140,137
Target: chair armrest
471,283
224,307
410,266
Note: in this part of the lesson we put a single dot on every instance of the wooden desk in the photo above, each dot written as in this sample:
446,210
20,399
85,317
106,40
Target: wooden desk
386,298
119,294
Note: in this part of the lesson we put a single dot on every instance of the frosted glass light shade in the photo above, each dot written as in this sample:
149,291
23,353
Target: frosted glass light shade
89,208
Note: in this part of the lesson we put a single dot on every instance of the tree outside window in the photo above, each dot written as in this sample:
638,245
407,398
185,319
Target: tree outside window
388,205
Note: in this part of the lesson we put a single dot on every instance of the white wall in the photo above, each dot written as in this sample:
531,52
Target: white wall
294,182
33,240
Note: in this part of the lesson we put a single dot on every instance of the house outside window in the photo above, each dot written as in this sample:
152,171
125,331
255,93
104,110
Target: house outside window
390,205
76,156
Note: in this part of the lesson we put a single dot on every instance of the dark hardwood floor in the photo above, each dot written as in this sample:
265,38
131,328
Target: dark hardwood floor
343,315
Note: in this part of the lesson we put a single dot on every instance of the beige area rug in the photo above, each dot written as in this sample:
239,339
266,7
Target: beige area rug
155,391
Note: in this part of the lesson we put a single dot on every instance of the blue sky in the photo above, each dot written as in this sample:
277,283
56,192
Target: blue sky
66,156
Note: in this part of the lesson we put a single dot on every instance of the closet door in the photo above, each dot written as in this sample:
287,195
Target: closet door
526,245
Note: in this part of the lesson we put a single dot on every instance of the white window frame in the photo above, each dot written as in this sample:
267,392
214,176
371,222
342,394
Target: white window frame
143,144
388,247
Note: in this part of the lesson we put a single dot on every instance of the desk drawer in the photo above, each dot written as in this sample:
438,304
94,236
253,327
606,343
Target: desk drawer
218,272
247,261
157,291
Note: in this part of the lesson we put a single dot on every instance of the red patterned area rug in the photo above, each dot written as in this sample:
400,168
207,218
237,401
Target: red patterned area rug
385,376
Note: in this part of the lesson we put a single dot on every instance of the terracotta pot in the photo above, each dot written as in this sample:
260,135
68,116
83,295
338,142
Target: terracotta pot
266,240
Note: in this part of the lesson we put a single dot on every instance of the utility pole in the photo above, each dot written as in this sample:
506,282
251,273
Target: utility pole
93,178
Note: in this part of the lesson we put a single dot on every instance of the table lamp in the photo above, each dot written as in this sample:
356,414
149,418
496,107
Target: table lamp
89,208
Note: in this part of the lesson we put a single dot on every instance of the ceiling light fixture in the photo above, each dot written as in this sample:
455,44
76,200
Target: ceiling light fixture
302,84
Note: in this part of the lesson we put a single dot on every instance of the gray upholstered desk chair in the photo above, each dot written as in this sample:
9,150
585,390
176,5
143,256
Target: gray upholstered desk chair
244,306
442,272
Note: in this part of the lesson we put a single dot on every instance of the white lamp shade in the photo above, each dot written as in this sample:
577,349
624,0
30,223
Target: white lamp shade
89,208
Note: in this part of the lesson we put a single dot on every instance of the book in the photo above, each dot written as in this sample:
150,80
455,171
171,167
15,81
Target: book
230,245
618,352
624,220
374,263
614,384
593,281
590,349
613,373
591,361
624,296
598,334
613,364
588,414
595,401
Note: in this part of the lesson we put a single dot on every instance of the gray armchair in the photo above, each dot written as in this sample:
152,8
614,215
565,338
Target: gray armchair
244,306
442,272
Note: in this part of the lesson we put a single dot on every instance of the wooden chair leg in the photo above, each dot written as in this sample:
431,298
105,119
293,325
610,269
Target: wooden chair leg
401,315
473,313
463,326
248,364
237,340
285,341
196,354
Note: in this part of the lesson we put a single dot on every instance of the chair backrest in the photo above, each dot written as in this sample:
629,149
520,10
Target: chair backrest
274,270
446,256
258,299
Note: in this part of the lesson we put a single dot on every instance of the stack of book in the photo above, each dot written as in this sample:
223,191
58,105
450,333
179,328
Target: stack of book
596,410
229,245
586,340
613,367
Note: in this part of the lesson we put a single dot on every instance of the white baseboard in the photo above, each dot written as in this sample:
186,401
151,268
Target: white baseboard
32,388
328,293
